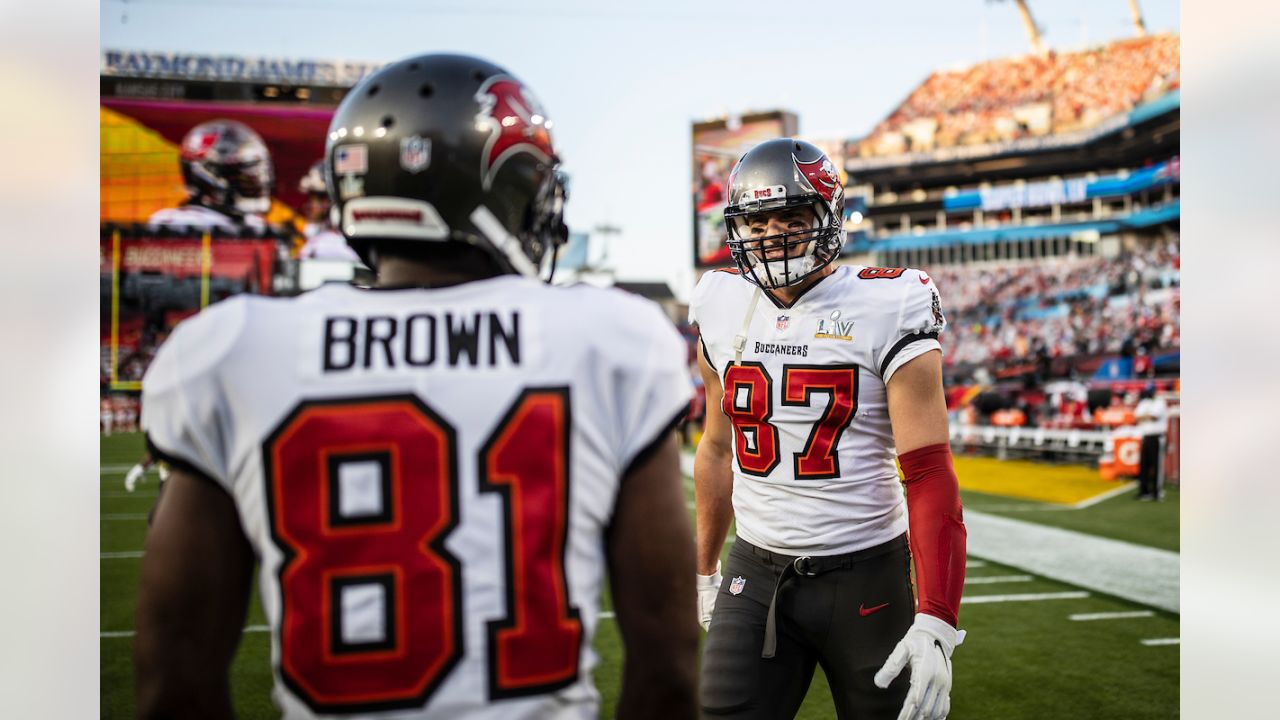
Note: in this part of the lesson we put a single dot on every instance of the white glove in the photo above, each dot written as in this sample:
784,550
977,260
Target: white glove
708,586
135,474
927,645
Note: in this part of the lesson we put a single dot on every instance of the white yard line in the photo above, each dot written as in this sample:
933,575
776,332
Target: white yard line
120,555
129,633
1085,617
1161,641
993,579
974,564
1057,507
1122,489
1025,597
1136,573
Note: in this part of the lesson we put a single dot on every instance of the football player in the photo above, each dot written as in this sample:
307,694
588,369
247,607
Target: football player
817,378
324,242
106,415
433,474
229,178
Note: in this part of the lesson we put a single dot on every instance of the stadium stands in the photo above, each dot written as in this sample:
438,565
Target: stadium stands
1002,315
1007,99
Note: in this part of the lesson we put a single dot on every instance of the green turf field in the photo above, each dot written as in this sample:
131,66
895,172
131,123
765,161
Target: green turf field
1022,659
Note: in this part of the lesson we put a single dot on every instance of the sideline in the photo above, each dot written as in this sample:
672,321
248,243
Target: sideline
1141,574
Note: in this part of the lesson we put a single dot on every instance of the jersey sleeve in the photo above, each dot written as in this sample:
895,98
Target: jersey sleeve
697,303
915,330
697,300
185,412
656,389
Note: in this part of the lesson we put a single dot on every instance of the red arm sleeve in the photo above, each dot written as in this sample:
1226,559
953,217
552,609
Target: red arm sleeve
937,533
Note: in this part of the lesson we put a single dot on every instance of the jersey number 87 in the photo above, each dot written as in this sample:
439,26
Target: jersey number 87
748,402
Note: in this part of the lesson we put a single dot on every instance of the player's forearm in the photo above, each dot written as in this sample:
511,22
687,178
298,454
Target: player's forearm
169,687
713,498
660,690
937,533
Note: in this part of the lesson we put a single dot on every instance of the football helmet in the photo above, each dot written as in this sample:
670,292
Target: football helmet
782,174
226,167
446,149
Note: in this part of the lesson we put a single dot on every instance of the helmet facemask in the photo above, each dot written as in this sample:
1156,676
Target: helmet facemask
251,185
546,230
788,257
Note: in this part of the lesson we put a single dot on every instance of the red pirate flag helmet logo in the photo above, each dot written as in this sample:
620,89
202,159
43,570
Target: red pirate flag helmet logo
197,145
821,176
515,122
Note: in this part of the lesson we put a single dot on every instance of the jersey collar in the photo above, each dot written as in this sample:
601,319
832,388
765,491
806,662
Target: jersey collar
803,293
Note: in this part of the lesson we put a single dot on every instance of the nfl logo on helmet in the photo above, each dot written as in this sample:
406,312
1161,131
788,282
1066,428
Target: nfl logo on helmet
415,153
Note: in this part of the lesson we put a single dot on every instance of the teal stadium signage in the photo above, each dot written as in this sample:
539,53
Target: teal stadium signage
234,68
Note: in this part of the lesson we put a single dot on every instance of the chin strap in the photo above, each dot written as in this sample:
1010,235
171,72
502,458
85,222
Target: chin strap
740,340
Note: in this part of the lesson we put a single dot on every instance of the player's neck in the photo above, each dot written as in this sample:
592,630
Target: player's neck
397,272
788,295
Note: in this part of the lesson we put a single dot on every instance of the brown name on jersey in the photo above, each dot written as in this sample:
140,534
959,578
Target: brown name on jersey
387,342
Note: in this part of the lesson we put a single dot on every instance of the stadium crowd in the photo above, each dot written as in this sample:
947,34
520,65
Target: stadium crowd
1059,308
1007,99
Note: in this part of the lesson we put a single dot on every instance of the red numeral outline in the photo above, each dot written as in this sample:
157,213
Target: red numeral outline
821,459
324,552
754,417
537,646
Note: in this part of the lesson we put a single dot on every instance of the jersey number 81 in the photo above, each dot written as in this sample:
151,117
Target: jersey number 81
362,494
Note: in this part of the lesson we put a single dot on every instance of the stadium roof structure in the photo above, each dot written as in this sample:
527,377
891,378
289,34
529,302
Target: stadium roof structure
1169,212
175,76
1151,130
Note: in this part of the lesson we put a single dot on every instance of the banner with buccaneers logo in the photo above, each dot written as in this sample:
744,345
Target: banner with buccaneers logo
179,258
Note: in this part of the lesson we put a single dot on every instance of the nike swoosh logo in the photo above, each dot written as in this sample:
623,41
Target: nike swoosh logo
865,611
924,279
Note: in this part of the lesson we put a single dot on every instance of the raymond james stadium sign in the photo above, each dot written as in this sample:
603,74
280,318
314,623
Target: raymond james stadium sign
233,68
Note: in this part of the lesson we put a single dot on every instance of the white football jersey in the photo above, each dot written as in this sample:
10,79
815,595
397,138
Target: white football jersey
426,477
814,458
198,216
325,243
